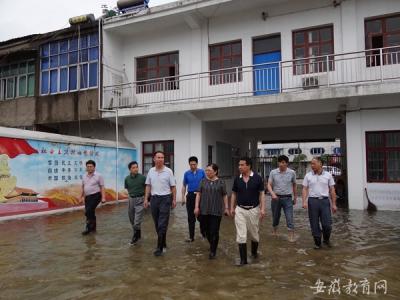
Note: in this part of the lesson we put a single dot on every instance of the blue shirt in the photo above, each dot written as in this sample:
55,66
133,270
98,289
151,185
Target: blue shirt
192,179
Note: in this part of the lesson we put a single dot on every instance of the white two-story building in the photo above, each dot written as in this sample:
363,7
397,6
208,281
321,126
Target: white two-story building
211,78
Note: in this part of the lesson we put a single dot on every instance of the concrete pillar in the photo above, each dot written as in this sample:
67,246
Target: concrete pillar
253,148
196,140
196,50
348,26
355,160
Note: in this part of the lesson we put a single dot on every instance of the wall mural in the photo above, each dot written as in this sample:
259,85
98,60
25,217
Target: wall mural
39,175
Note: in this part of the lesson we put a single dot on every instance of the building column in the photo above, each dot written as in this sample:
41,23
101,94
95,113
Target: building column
348,26
355,161
196,139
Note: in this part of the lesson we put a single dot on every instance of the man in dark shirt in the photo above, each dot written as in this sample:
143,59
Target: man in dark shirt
248,207
135,184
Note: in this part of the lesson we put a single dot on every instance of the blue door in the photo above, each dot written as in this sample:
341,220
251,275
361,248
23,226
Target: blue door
267,77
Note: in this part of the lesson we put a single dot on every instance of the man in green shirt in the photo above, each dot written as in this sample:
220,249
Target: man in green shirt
135,184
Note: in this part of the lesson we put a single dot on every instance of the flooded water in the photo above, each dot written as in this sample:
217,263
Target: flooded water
47,258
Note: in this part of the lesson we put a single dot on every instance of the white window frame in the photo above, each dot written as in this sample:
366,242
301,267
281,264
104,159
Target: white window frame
16,77
320,151
78,66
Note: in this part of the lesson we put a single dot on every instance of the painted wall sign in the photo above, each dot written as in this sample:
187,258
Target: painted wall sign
40,175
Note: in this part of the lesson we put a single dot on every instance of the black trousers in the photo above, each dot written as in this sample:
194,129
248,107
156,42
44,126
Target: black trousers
190,205
211,226
160,210
319,211
91,202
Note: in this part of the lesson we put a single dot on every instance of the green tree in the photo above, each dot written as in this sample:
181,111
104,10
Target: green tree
300,165
299,158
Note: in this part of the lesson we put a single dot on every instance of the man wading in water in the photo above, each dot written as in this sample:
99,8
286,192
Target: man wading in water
161,184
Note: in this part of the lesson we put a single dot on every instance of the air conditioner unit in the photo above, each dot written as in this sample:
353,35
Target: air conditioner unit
310,82
314,82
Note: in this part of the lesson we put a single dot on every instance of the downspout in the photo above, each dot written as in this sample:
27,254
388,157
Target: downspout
116,146
108,110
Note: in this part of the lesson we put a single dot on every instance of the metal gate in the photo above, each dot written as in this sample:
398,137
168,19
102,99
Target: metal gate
265,164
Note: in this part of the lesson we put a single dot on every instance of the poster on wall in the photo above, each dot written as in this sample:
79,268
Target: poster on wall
40,175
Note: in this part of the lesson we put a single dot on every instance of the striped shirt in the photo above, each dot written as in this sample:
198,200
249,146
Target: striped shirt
212,197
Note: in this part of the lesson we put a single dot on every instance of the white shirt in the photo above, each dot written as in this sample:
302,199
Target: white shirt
160,181
318,185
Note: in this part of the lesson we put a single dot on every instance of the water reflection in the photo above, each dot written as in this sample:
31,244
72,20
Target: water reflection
47,258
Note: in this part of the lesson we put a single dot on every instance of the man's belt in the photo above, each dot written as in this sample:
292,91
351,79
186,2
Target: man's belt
247,207
137,196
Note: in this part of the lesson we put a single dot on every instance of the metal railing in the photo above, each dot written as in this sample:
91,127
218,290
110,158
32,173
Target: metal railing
375,65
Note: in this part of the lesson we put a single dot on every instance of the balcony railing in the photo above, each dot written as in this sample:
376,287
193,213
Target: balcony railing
375,65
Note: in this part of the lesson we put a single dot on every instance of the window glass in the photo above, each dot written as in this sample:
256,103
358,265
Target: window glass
54,48
84,76
383,156
64,79
93,74
31,85
393,24
53,81
64,58
73,75
374,26
10,88
22,84
44,83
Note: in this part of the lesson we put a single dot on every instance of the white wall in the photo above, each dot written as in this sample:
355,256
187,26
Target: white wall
111,57
167,40
185,131
192,44
383,195
121,48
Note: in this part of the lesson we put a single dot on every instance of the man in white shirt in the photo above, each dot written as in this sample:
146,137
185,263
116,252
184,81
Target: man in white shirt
320,198
161,185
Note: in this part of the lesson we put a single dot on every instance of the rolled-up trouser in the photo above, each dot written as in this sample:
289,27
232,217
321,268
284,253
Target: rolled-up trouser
247,220
286,203
135,211
160,210
319,210
91,202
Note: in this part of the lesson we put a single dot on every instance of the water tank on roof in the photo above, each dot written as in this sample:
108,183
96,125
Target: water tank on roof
82,19
131,4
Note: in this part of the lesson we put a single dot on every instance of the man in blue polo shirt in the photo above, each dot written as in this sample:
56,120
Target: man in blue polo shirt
191,182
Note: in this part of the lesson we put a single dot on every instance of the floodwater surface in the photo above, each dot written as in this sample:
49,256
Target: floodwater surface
48,258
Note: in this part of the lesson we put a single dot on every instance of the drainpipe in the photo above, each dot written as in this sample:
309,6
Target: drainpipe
116,146
99,73
108,110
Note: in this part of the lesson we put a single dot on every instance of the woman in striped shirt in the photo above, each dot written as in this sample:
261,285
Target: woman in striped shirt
211,204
